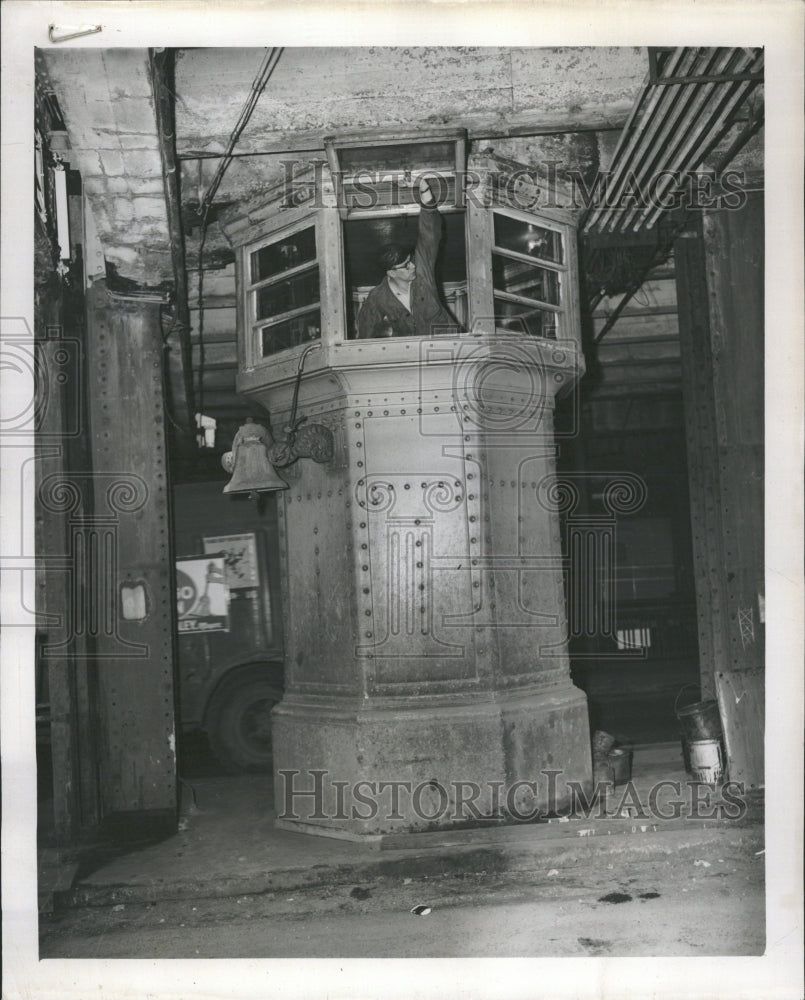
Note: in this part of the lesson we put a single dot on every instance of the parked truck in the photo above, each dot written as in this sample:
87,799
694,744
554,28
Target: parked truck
229,620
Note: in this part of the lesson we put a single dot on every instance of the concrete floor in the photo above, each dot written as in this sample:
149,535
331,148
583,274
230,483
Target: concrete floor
231,885
669,898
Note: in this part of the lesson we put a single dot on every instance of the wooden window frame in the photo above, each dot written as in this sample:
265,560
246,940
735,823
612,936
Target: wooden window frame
330,303
479,245
567,271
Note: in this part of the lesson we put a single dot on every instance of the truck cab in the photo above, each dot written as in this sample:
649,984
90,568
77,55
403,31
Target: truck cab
230,656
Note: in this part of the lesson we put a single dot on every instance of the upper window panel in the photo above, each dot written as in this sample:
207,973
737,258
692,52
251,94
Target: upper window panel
373,168
528,239
399,157
284,255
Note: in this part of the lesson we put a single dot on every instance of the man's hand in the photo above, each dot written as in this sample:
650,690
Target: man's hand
425,193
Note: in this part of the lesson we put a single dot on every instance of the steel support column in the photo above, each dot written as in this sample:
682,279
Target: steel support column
720,276
128,546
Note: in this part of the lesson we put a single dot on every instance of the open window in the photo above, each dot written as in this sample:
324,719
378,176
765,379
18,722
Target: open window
376,179
364,238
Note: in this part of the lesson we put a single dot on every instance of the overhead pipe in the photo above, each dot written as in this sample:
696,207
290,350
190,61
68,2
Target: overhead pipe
670,105
686,106
673,134
630,130
721,164
701,144
665,81
673,103
715,103
698,147
648,100
659,143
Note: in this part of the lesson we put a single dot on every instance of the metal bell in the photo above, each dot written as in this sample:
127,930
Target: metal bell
248,462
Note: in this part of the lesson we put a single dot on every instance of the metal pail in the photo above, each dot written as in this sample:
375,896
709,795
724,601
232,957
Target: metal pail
706,761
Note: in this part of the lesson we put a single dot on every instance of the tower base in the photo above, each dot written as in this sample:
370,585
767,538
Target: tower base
380,770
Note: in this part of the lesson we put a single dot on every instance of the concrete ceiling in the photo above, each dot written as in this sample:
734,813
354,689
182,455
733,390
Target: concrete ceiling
107,103
316,91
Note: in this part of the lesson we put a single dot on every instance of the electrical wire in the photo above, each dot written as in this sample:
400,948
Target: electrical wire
200,300
267,67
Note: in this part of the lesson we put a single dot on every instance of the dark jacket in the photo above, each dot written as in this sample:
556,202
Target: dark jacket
383,315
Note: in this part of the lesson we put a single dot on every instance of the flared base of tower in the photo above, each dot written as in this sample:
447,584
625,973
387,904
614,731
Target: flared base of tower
381,770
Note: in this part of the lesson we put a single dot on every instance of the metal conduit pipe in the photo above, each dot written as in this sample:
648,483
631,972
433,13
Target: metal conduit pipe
688,103
179,360
653,149
721,165
703,144
657,144
707,113
698,149
650,97
674,132
643,111
651,134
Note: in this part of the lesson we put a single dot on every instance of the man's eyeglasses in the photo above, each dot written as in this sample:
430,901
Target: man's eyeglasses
405,263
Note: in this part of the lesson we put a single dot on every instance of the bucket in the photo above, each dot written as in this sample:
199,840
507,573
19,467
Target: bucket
706,761
700,720
621,760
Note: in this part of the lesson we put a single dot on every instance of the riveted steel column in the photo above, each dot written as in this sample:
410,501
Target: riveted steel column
123,550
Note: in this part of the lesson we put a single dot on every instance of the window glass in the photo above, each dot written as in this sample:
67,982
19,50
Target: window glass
290,332
530,320
298,248
528,238
529,281
399,156
288,294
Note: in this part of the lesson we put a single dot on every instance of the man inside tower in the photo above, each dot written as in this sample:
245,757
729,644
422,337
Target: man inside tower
407,302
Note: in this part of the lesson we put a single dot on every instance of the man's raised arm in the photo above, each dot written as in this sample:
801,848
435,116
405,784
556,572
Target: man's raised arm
430,228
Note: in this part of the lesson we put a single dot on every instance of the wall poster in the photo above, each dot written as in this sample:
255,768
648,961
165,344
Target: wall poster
202,594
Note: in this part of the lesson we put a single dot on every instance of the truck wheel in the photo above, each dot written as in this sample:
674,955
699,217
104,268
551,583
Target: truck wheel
239,725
